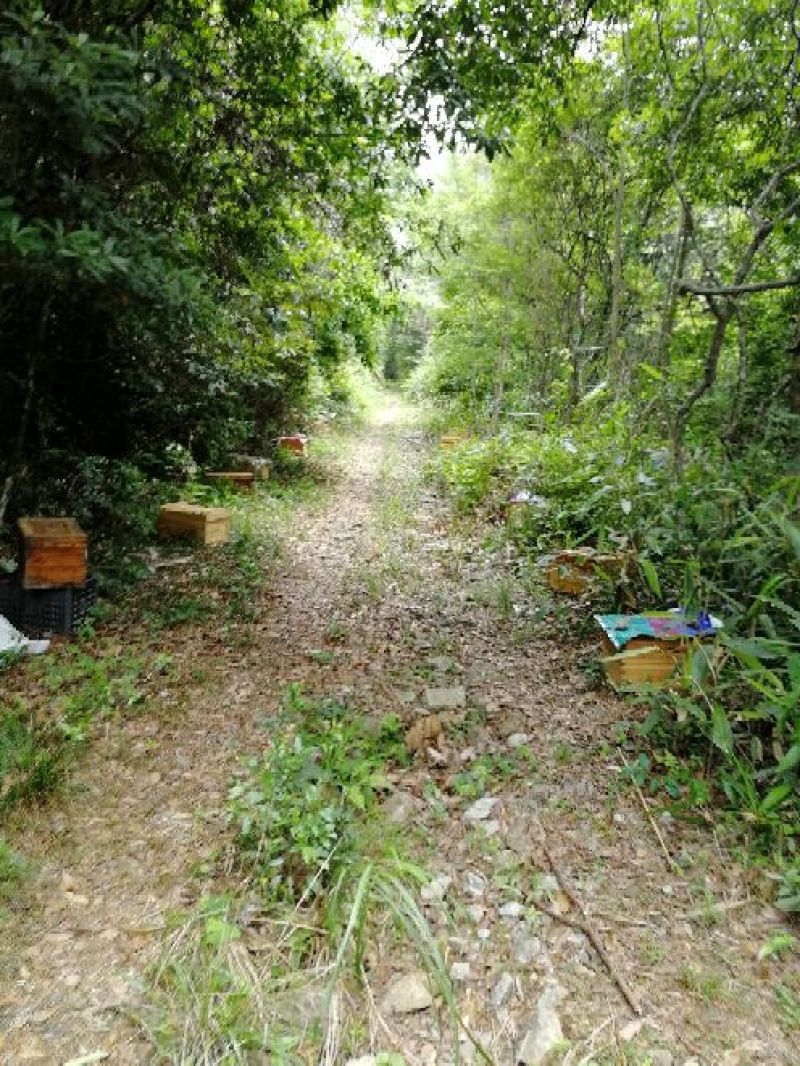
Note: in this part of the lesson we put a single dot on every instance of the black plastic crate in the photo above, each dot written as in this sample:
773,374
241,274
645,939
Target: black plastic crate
10,598
42,612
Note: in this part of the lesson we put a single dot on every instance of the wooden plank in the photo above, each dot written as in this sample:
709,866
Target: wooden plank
206,525
238,479
54,553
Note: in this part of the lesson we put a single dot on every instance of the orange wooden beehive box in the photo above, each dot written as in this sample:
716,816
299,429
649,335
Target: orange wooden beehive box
293,442
54,553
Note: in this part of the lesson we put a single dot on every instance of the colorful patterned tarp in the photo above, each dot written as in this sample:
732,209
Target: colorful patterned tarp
658,625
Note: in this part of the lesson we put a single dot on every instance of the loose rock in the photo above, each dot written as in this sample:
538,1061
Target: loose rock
408,994
512,909
518,740
545,1032
437,889
460,971
660,1057
400,807
474,884
446,699
502,989
480,809
526,947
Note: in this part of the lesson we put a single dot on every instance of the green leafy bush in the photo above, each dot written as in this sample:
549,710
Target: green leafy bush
300,809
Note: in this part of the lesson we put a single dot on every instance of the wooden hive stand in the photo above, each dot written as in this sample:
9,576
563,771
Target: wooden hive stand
257,465
206,525
242,480
53,552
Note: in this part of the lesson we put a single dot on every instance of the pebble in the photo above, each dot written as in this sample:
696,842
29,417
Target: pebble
526,947
476,912
460,971
545,1032
399,808
660,1057
436,890
480,809
446,699
512,909
408,994
518,740
474,884
484,934
502,989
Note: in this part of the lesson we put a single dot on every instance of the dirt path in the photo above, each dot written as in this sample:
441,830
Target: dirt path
407,605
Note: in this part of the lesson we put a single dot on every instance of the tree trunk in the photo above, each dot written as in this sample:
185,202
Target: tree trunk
671,303
723,314
614,364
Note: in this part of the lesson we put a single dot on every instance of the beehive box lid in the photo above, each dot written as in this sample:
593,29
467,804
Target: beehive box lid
52,530
197,510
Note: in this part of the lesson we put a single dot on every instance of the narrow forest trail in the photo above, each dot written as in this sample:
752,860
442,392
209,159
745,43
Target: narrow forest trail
405,602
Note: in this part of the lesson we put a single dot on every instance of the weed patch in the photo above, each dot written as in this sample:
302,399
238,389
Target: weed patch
282,963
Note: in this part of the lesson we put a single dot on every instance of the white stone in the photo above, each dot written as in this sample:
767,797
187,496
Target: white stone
512,909
446,699
545,1032
474,884
400,807
526,947
502,989
437,889
480,809
460,971
518,740
408,994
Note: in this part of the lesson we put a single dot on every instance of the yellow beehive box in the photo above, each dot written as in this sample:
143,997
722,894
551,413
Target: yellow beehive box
206,525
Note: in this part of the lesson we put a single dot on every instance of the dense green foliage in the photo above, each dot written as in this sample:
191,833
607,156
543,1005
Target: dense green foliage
619,328
191,204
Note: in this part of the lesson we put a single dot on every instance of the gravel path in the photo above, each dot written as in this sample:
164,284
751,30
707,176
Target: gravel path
415,613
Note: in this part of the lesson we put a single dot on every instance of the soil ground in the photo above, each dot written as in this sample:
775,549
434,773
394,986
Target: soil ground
415,602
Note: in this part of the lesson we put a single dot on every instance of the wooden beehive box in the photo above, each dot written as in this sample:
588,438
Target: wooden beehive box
648,663
238,479
207,525
293,442
664,642
54,553
450,440
574,570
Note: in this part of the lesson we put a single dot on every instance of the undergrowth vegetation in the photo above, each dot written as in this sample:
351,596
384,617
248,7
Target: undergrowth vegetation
616,329
283,959
721,538
129,658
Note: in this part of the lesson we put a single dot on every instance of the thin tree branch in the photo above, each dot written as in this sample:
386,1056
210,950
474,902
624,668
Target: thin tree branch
697,288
